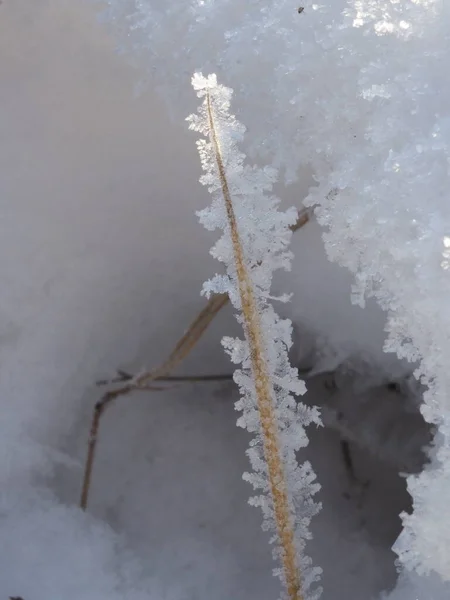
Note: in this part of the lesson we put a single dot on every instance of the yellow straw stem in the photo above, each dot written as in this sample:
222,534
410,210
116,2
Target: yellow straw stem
263,387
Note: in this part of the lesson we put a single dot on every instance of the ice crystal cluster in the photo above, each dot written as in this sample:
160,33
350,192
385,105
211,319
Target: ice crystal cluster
253,245
359,92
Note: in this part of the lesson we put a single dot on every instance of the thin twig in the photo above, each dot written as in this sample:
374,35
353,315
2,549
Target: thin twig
161,373
194,378
124,376
196,328
303,217
181,350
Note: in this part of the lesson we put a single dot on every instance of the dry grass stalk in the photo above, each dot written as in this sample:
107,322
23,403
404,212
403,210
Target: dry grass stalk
181,350
124,376
263,386
161,373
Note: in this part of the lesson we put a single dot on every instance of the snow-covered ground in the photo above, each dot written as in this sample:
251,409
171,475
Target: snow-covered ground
102,261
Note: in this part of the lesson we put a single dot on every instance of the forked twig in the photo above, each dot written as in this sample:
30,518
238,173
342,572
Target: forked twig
141,382
181,350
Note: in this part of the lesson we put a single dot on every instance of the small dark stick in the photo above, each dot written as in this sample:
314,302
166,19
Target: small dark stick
14,597
348,460
300,9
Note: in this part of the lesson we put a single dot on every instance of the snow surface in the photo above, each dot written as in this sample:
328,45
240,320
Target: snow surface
102,262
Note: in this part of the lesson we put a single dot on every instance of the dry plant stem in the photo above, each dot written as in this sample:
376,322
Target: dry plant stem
303,218
263,387
196,329
161,373
124,376
181,350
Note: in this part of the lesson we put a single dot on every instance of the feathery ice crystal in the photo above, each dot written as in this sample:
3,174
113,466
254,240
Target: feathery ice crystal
254,243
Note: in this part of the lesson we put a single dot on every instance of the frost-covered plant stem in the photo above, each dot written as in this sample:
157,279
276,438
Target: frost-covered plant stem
254,244
263,384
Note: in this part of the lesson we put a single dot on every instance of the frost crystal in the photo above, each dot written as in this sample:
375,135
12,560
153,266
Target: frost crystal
358,90
254,243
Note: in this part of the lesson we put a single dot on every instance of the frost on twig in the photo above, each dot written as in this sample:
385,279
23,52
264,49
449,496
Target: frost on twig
254,244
